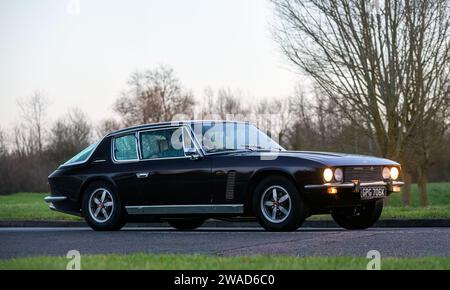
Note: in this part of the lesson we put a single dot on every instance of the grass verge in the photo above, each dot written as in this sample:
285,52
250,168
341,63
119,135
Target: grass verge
201,262
29,206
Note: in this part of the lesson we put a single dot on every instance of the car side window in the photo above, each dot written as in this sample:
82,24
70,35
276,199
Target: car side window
125,148
163,143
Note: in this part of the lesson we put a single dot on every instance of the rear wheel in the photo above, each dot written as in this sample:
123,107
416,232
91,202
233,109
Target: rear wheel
186,224
278,205
358,218
102,208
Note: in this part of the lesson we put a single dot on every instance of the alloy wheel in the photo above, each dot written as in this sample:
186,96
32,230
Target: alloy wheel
276,204
101,205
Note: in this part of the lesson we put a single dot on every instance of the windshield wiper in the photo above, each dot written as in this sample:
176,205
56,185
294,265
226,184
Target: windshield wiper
259,147
252,147
249,147
214,150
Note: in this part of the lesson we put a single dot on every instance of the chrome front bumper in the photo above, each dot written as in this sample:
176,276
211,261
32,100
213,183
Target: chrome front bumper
355,185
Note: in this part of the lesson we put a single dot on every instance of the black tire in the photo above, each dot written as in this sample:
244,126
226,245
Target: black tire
186,224
359,218
288,220
117,215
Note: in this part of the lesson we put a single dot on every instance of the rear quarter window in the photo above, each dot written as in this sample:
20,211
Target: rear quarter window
83,156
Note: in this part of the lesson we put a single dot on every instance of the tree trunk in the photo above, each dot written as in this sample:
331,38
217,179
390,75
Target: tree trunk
423,181
406,190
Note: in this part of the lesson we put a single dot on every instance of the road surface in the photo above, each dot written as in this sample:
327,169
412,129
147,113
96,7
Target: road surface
392,242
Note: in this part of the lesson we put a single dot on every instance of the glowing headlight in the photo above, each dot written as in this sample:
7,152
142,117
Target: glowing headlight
328,175
338,175
386,173
394,173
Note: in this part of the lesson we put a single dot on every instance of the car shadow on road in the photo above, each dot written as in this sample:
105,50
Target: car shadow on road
224,230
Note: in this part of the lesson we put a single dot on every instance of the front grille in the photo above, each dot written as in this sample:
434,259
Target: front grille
363,173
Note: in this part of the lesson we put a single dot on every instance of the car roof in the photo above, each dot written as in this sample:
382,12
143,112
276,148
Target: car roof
166,124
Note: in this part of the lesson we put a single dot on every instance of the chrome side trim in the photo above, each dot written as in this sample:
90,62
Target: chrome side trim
50,199
186,209
352,185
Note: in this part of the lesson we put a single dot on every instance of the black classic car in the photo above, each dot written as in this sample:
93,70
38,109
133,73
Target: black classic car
187,172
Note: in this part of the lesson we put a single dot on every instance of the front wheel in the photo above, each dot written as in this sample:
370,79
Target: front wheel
102,208
186,224
278,205
358,218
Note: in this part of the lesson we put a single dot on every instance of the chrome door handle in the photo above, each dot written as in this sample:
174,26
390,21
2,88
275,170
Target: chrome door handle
143,174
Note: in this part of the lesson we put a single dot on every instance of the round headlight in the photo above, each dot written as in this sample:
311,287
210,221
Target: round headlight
328,175
394,173
386,173
338,175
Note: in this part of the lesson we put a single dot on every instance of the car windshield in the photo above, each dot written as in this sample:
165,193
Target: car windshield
231,136
82,156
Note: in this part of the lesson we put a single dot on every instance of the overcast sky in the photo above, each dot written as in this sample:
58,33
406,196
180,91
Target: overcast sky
81,52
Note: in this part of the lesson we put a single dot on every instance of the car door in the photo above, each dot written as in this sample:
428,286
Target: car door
229,168
125,164
167,176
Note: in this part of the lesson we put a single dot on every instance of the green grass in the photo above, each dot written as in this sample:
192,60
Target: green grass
439,207
431,212
31,206
202,262
438,194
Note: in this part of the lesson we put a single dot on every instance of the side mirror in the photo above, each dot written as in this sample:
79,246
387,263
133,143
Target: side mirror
192,153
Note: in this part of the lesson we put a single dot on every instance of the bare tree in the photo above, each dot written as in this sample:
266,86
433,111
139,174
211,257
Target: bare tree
69,135
276,115
229,102
106,126
153,96
24,141
224,104
206,105
34,115
427,143
385,66
3,148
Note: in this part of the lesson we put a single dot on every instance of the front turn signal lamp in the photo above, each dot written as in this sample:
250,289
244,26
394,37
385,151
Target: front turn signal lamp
332,190
394,173
328,175
396,188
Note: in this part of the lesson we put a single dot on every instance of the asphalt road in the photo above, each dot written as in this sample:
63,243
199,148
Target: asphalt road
397,242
